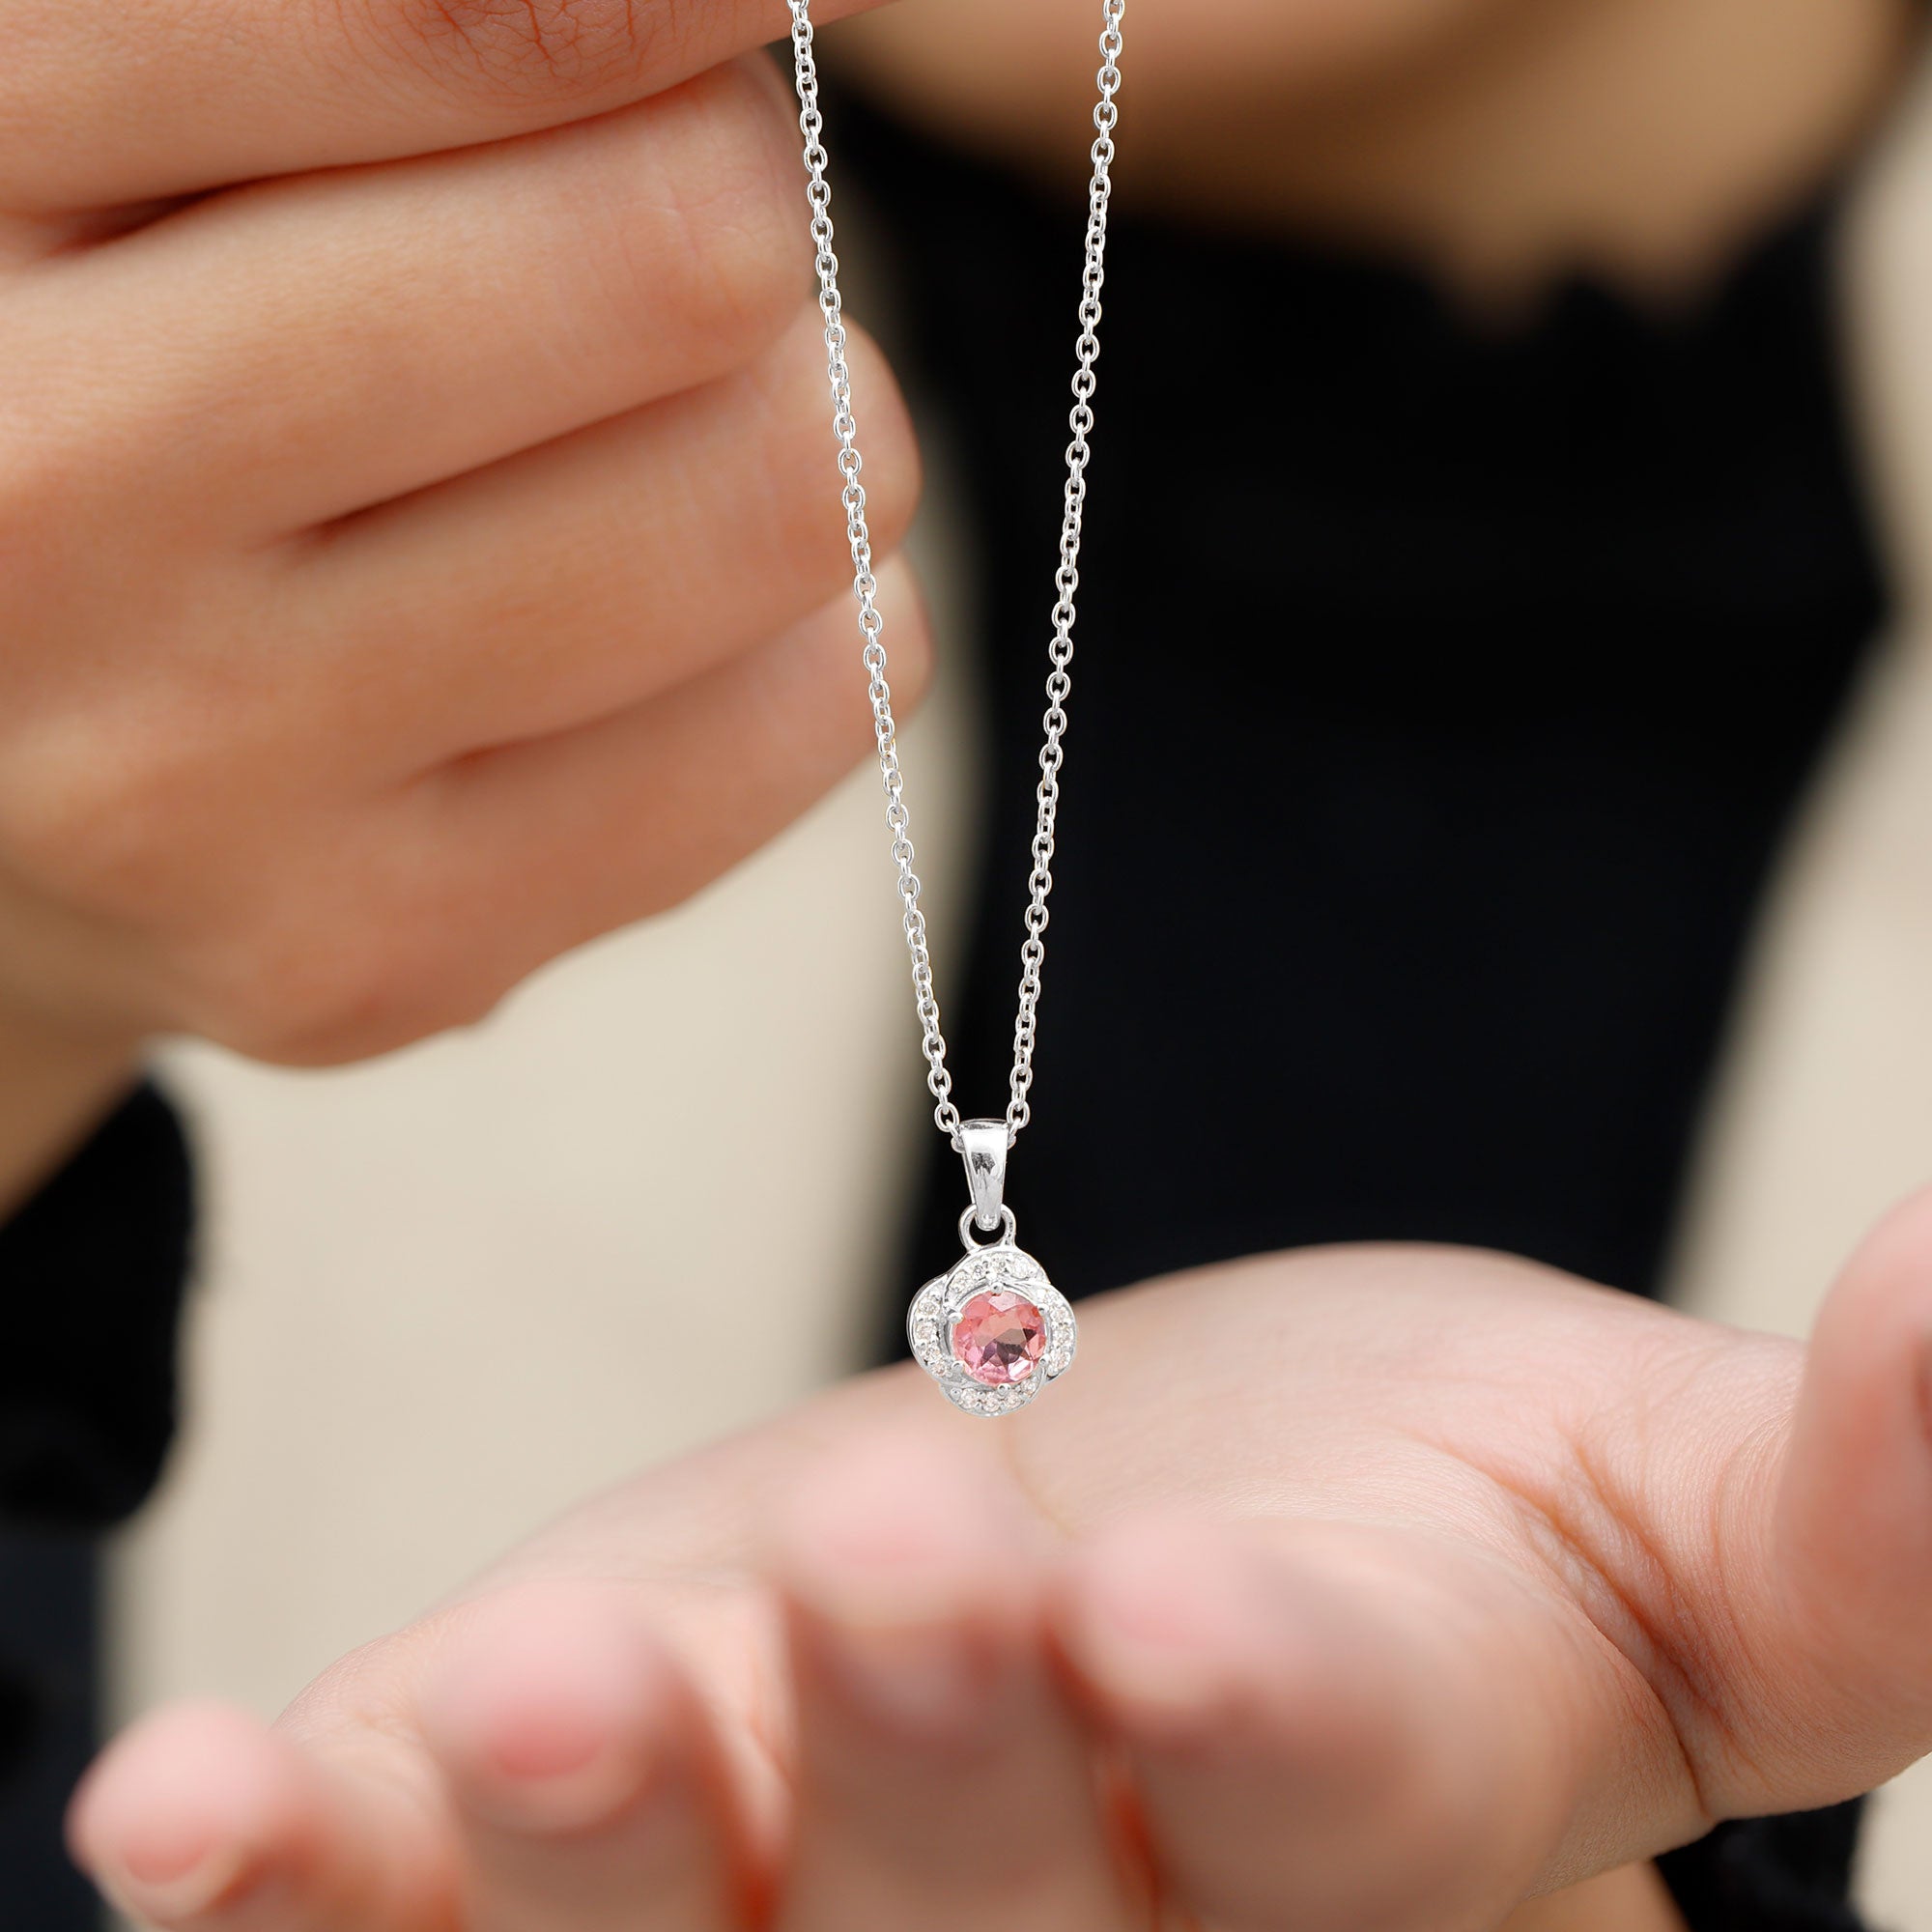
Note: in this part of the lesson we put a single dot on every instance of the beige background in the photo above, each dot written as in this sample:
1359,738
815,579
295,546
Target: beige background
446,1293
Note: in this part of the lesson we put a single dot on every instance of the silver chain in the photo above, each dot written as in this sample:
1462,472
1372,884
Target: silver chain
1067,578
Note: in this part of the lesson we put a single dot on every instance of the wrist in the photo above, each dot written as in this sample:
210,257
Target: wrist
56,1083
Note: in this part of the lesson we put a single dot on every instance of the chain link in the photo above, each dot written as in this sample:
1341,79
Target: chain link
1066,578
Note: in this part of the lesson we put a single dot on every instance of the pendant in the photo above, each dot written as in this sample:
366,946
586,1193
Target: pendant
992,1331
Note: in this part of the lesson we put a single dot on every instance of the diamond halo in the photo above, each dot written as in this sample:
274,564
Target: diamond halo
934,1314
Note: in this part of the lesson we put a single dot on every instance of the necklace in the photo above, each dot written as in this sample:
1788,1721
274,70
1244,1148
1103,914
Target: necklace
993,1330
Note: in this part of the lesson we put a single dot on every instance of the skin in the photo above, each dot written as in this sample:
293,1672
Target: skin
392,385
1491,141
390,390
1360,1620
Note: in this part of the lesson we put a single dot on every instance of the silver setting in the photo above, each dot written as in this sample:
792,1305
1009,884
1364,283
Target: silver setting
982,1147
968,1221
935,1313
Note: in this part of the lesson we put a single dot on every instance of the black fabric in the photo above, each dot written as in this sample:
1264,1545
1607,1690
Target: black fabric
1442,694
49,1722
1769,1874
93,1268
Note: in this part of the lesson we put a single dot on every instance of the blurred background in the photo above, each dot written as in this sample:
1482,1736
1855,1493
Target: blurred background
442,1297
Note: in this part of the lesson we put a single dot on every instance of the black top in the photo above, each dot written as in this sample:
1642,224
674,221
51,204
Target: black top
93,1268
1442,695
91,1275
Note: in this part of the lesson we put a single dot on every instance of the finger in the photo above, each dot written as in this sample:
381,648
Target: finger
678,790
588,1791
588,576
200,1820
379,330
149,99
1322,1732
512,857
1838,1633
940,1780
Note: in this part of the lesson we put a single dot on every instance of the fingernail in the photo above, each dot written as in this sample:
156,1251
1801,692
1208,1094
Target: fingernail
897,1619
1162,1631
890,1624
551,1711
560,1802
910,1575
536,1764
557,1775
923,1680
538,1745
156,1885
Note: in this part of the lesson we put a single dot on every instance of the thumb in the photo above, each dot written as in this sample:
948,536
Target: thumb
1849,1535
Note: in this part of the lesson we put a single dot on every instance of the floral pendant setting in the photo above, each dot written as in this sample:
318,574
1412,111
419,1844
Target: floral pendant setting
992,1331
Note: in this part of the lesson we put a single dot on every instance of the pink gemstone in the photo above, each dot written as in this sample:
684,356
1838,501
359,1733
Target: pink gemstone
998,1337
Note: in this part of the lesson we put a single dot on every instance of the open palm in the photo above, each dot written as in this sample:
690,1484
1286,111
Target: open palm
1363,1587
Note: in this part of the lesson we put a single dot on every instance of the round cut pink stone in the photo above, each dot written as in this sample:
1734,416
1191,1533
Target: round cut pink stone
999,1338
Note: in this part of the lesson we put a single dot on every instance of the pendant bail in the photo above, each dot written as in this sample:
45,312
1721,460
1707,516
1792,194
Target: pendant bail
982,1146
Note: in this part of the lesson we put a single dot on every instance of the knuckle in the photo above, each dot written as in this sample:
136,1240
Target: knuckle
283,983
294,1005
47,515
96,814
302,993
523,48
307,984
800,485
888,443
913,656
726,184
